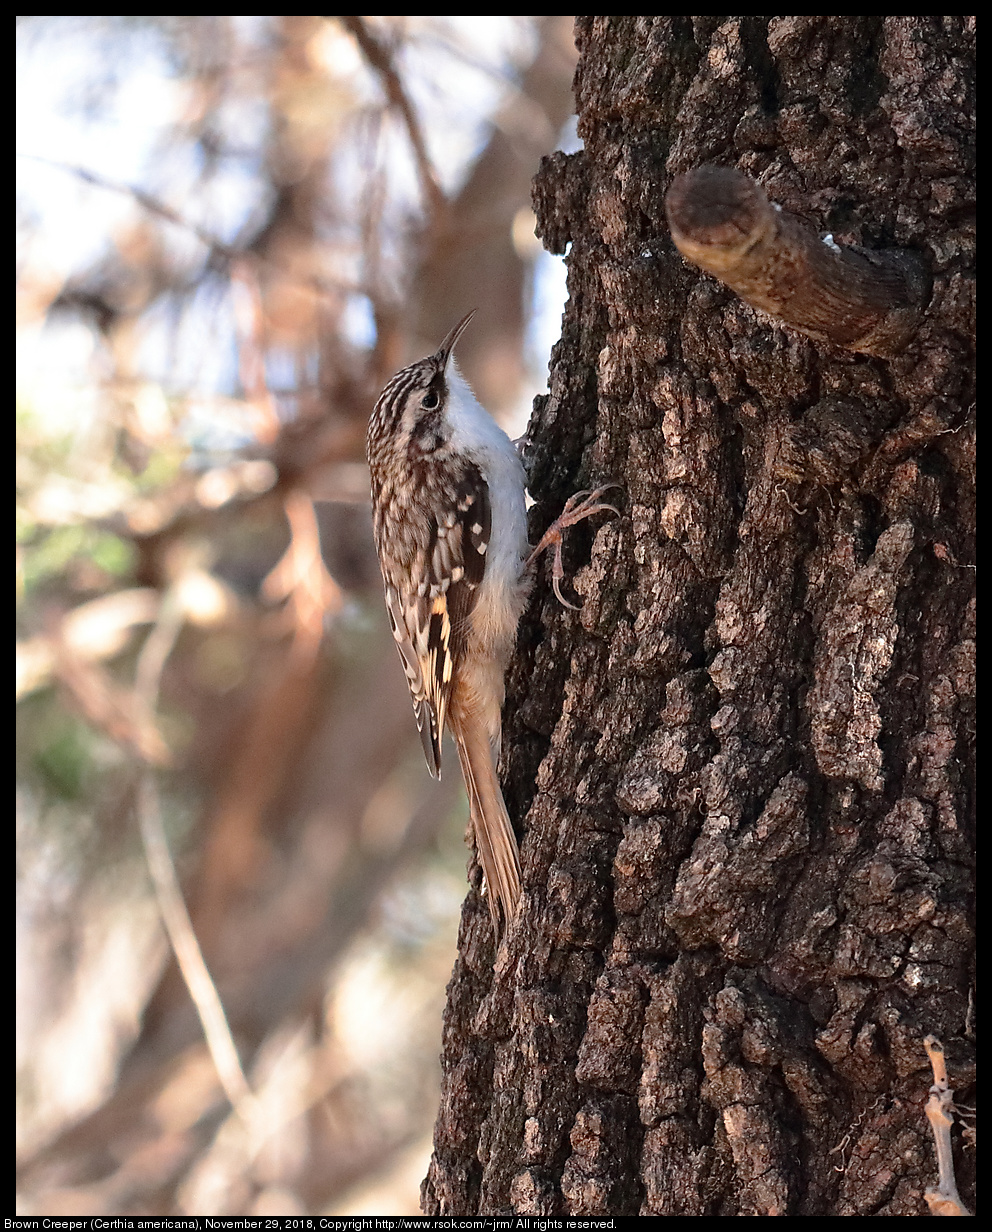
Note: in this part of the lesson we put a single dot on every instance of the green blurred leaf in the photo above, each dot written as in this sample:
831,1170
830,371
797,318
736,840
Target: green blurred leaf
64,760
50,553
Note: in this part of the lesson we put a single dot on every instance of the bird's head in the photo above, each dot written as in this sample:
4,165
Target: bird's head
413,405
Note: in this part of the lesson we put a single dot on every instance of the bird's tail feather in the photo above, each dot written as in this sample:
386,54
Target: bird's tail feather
494,837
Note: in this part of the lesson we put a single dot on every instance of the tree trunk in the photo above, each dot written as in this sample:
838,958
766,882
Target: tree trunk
743,773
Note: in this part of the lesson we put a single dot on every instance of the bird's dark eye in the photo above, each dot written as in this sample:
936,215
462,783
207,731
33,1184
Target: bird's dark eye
430,400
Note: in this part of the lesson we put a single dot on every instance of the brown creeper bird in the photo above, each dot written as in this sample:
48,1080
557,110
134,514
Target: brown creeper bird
450,528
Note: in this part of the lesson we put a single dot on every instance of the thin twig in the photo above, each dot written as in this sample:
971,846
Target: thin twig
188,954
168,893
945,1199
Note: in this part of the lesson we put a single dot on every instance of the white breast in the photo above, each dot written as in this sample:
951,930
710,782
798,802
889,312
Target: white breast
504,587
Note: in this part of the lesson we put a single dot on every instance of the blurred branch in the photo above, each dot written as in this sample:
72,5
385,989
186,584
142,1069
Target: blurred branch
111,709
146,200
380,59
217,247
302,577
249,316
96,630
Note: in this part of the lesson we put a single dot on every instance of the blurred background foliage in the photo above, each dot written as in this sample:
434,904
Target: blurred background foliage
231,231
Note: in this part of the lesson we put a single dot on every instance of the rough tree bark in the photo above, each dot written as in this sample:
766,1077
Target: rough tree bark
744,772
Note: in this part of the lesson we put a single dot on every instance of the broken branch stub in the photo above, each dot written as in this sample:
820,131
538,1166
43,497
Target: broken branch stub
871,302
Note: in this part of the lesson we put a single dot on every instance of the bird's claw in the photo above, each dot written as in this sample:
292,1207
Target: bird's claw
581,505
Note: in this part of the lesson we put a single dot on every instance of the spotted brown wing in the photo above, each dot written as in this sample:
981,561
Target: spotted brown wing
429,625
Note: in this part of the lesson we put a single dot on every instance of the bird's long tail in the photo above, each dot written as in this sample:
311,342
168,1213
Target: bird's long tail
494,838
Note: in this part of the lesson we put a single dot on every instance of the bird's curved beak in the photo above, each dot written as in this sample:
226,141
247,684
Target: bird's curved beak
443,353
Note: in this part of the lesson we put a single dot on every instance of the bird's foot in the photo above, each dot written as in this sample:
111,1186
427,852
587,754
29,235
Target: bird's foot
581,505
